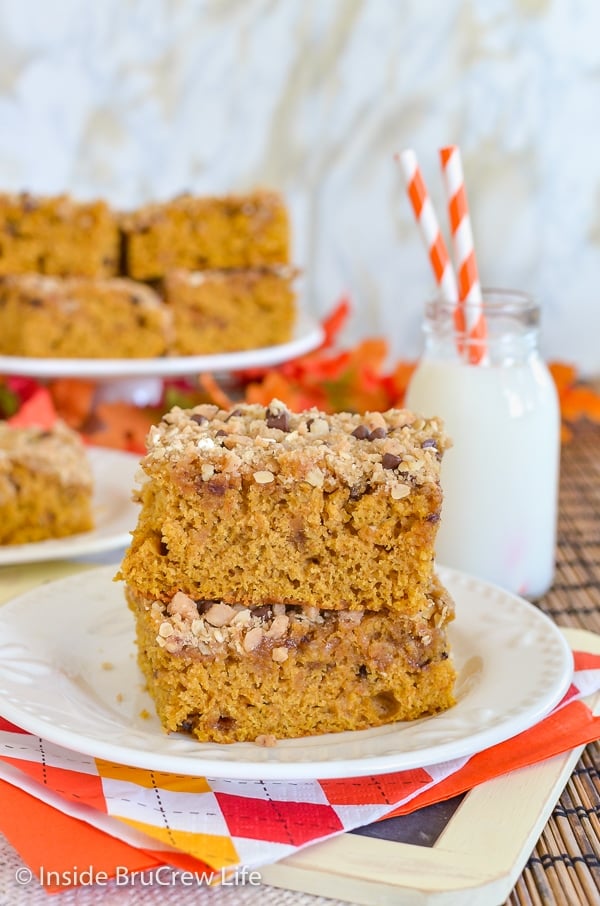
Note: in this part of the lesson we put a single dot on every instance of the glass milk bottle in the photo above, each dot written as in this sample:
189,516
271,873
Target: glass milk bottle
500,478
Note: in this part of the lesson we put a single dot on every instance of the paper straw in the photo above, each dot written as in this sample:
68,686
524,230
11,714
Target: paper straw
428,225
469,317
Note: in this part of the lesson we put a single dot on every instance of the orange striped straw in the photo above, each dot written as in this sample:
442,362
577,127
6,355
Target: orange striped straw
469,318
428,225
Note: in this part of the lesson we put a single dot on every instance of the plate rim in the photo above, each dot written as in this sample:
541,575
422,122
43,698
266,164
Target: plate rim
308,335
80,543
286,770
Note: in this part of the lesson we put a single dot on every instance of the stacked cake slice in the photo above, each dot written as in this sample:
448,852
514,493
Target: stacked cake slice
282,573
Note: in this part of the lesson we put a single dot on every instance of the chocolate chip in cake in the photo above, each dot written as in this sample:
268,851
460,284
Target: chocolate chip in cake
186,726
429,443
361,433
216,487
279,420
28,203
199,419
377,434
390,461
234,413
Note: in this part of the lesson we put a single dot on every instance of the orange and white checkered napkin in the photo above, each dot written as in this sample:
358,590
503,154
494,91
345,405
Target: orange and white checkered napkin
223,825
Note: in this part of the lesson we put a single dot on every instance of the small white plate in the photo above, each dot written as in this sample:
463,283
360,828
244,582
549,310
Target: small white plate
308,335
115,514
68,673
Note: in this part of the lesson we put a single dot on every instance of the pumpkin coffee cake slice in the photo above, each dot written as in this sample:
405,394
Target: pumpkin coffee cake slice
281,571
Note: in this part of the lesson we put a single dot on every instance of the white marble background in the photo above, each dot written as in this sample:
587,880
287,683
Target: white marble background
141,99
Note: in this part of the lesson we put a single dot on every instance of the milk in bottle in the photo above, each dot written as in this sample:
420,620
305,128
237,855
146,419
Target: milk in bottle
500,478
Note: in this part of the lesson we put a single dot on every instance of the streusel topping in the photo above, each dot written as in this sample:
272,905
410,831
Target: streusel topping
57,451
214,628
397,449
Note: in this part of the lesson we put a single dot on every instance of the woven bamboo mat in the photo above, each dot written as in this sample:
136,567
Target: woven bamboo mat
564,868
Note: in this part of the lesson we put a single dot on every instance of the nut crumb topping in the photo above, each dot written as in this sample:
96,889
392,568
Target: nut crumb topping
217,629
57,451
396,450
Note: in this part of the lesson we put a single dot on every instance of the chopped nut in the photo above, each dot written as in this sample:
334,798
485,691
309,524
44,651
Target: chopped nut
267,740
219,614
315,478
279,655
279,626
253,638
165,630
399,491
351,616
319,426
242,617
183,605
207,471
376,420
263,477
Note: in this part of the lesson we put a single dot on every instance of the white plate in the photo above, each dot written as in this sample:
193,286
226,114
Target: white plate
115,514
308,334
58,641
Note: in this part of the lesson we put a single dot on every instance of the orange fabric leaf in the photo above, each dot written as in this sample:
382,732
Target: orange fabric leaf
73,398
334,322
372,352
120,425
400,378
214,391
277,386
38,410
564,375
580,402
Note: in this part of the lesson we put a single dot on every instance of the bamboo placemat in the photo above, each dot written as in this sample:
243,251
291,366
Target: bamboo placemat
564,868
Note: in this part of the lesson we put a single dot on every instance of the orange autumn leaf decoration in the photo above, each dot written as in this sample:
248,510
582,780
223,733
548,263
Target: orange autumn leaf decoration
73,399
123,426
38,409
214,391
577,400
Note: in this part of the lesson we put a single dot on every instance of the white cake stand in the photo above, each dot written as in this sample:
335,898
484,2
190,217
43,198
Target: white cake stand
140,380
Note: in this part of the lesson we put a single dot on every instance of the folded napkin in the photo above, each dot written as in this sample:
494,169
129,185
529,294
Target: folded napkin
116,818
